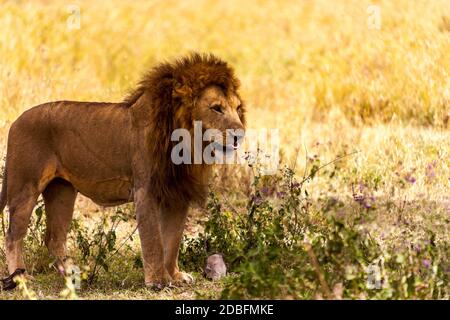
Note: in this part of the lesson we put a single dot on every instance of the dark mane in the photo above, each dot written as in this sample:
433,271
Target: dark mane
164,90
185,78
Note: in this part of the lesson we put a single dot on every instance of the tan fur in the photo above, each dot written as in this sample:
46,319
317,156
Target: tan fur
115,153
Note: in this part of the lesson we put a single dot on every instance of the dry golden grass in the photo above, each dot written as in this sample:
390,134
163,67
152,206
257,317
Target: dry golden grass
316,70
301,58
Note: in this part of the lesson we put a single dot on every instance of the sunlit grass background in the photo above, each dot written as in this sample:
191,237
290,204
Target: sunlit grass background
332,76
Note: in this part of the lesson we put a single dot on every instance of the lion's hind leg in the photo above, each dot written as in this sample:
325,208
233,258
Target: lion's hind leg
59,199
23,189
21,204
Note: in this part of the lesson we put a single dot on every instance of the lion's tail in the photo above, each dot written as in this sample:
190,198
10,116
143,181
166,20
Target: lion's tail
3,195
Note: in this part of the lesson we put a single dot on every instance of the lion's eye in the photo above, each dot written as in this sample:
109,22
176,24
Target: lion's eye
217,108
239,109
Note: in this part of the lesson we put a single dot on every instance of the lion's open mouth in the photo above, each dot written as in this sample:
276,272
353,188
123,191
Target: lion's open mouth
225,148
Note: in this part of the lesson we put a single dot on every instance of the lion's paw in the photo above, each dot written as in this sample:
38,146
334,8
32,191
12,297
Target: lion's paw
183,277
10,283
159,284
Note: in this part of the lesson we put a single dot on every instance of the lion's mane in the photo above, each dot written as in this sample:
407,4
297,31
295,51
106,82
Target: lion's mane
163,101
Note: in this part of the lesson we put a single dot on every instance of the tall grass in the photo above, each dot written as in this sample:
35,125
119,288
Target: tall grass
296,58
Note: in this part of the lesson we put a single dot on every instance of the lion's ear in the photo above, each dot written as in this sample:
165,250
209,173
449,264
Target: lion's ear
140,111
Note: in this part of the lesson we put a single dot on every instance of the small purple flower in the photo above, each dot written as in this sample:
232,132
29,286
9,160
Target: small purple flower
410,178
265,191
366,205
257,200
429,171
364,201
281,194
426,263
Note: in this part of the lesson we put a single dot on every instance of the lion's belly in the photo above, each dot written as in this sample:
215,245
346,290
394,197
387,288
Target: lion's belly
110,192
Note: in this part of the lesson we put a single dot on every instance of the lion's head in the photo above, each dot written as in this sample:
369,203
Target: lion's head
174,95
222,115
194,88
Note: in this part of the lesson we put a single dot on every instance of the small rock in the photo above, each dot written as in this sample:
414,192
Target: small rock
215,267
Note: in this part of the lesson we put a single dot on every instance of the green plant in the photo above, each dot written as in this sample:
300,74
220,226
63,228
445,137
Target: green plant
283,245
99,245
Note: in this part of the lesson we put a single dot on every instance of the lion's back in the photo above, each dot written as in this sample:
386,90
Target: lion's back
80,135
97,121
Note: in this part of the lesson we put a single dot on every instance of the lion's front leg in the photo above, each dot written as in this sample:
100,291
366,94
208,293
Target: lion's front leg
173,224
149,226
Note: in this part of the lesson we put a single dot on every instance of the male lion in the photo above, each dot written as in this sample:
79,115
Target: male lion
116,153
